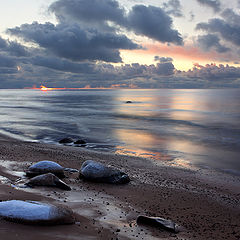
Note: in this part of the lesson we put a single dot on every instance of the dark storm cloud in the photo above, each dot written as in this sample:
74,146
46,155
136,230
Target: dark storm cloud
88,10
72,42
227,31
12,48
214,4
173,7
211,41
152,22
231,17
63,65
6,61
227,28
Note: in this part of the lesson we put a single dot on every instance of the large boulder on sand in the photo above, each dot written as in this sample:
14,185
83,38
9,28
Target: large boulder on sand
43,167
97,172
159,223
29,212
48,180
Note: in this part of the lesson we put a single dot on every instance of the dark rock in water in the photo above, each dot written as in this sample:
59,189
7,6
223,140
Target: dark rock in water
128,101
38,213
159,222
66,140
80,141
48,180
97,172
43,167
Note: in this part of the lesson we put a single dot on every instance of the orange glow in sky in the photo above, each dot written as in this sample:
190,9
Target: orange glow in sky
183,56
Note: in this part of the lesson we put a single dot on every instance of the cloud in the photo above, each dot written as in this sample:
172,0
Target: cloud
62,64
227,28
231,17
214,72
173,7
154,23
13,48
7,62
71,42
163,59
211,41
214,4
88,12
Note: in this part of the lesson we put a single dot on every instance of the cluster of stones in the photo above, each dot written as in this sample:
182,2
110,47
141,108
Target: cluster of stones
48,173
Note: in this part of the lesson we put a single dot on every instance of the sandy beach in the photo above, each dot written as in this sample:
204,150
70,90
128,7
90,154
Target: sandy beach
205,204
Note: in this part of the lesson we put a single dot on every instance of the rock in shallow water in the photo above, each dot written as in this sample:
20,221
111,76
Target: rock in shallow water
66,140
29,212
48,180
97,172
159,222
43,167
80,141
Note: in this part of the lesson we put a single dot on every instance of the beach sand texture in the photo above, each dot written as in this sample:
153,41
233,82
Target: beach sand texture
205,204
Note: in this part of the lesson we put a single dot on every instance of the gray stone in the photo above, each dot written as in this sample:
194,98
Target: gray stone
43,167
48,180
159,222
29,212
97,172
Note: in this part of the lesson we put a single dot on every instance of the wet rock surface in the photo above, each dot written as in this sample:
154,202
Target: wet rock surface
43,167
80,141
30,212
97,172
159,223
66,140
48,180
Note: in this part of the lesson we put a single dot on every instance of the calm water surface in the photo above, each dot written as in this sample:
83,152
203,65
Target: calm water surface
185,127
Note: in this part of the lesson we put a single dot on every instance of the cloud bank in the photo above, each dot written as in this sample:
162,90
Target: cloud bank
84,47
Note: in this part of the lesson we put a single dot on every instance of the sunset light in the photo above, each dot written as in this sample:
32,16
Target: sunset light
120,117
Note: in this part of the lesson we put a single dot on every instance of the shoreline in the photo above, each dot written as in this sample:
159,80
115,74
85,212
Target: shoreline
204,203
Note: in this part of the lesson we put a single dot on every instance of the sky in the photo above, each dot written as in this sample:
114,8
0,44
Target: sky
120,44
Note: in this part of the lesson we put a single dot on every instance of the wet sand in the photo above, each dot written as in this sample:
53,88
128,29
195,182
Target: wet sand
204,203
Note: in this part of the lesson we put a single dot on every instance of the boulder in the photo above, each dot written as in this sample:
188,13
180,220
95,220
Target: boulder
29,212
43,167
158,222
97,172
80,141
48,180
66,140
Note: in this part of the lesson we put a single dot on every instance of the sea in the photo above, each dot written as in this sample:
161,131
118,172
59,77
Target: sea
189,128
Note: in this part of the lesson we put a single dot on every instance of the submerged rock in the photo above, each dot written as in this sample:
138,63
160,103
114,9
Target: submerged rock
29,212
43,167
66,140
97,172
159,222
80,141
48,180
